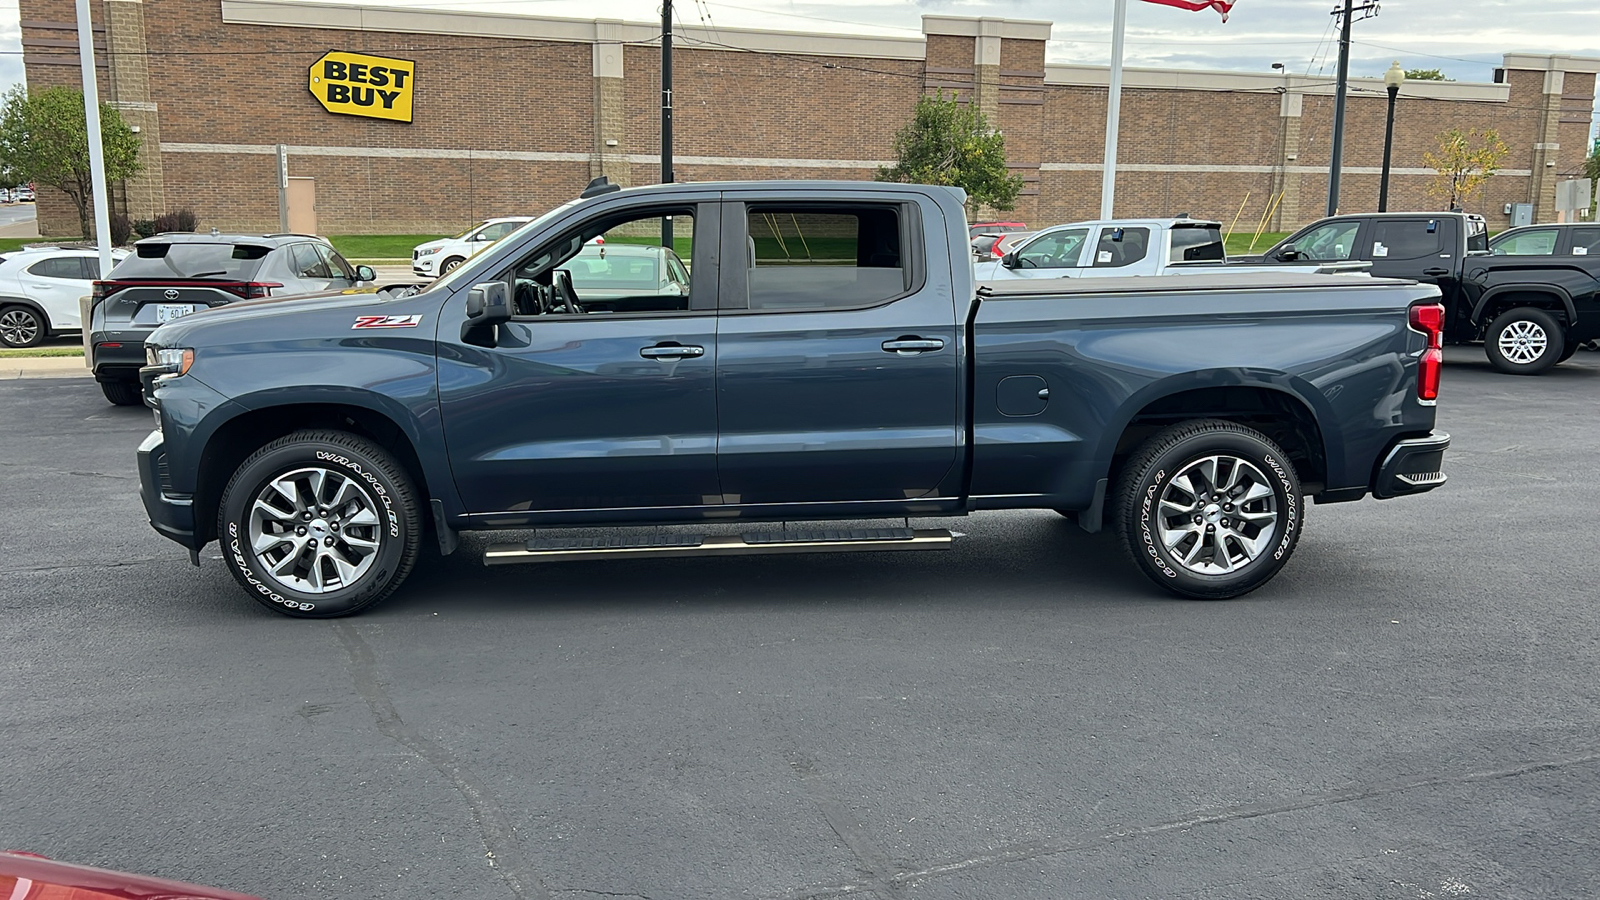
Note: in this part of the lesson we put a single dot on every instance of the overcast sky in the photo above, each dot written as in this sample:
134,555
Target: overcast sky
1464,38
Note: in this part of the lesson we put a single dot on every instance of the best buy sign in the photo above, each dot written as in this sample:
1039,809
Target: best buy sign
354,84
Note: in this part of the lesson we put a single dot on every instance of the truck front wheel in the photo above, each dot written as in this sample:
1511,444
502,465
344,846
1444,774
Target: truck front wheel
320,524
1209,509
1524,341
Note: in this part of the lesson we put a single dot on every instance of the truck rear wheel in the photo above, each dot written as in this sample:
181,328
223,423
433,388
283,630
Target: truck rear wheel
1524,341
320,524
1209,509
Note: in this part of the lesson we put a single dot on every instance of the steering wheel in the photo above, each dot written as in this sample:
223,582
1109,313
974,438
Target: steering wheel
563,298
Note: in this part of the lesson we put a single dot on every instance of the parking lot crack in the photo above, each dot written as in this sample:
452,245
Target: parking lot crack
1092,840
499,838
872,861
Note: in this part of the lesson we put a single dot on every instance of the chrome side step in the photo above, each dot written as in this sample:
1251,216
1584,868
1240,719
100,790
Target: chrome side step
848,540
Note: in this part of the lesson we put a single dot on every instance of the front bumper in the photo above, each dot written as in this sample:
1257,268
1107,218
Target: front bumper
1412,466
170,513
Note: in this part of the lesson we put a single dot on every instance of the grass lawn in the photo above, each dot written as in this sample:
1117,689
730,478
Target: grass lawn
35,352
1239,242
379,246
9,244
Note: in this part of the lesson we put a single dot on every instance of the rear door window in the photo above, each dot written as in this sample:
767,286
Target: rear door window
1198,244
192,259
1586,241
1406,239
801,258
1533,242
1119,247
306,262
57,267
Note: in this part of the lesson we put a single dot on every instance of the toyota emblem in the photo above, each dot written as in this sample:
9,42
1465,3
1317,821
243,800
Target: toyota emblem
171,294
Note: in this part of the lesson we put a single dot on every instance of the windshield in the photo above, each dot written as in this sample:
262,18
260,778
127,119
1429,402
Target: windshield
451,279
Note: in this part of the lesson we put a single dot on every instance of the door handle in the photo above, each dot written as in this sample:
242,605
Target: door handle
907,346
672,351
1436,272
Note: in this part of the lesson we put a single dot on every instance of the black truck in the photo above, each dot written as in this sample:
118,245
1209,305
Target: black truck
1531,295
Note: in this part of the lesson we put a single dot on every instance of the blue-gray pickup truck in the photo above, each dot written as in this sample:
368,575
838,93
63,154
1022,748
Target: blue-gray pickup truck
800,352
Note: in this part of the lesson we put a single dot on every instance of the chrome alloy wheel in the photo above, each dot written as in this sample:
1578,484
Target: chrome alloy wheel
315,530
1217,514
19,327
1523,342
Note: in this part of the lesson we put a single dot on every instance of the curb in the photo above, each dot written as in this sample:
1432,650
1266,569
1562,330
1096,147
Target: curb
43,367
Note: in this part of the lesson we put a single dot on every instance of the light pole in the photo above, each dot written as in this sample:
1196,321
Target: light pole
1392,80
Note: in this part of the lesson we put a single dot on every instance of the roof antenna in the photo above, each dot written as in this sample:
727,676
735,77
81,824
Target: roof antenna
601,185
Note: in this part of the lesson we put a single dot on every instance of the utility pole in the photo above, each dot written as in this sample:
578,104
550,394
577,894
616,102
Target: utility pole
1350,8
97,154
666,112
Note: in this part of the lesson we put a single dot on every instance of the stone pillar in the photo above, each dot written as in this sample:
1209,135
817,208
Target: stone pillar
610,156
1547,146
1286,181
144,195
986,70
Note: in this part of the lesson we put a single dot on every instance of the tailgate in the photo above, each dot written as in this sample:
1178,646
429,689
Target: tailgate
147,306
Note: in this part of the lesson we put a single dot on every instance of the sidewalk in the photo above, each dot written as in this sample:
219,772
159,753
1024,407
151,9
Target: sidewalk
43,367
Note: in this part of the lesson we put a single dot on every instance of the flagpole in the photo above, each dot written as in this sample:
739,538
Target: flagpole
1108,182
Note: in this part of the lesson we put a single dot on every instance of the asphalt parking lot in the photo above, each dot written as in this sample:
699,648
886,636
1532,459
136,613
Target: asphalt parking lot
1411,710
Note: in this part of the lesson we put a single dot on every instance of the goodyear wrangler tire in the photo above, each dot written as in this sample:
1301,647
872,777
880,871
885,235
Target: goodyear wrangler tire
1209,509
319,524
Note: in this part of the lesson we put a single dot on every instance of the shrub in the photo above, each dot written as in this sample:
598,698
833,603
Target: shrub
186,220
182,220
121,229
144,227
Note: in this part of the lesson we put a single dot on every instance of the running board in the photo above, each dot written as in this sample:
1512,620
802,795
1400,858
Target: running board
848,540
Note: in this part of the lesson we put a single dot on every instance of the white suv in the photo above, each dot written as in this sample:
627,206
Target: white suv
440,257
39,291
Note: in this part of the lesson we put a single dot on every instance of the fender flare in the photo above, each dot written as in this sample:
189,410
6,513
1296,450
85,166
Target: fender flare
1552,290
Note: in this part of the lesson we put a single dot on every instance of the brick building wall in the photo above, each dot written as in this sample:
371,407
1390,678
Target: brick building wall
513,114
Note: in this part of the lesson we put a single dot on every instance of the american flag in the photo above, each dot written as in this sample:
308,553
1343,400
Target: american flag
1221,6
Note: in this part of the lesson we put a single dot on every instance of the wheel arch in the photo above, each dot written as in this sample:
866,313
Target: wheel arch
1304,428
256,426
1497,300
8,300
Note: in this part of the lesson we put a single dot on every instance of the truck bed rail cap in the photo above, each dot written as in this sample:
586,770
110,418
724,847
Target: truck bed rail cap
1131,284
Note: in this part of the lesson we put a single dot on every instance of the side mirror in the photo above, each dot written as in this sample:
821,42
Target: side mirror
481,236
488,305
1288,253
1009,260
366,273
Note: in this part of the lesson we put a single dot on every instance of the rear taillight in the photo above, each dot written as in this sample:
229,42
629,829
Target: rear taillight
250,290
104,289
1428,319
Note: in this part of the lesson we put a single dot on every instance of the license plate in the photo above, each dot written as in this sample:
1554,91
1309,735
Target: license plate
166,312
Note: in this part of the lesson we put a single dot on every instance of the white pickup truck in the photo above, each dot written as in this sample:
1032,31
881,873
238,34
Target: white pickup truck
1131,247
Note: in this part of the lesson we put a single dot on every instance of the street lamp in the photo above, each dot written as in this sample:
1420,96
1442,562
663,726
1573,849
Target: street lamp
1392,80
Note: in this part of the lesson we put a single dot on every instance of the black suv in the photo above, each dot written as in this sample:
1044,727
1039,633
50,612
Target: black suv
169,276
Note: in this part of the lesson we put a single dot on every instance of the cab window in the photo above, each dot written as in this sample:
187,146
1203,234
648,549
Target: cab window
1120,247
1586,241
809,257
1333,242
1535,242
1406,239
618,266
1056,250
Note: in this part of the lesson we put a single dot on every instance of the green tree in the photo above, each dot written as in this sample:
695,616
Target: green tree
1426,75
1591,170
44,139
950,143
1465,161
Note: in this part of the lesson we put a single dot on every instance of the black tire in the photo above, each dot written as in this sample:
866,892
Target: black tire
273,574
1150,477
1567,354
450,265
22,326
1542,341
123,393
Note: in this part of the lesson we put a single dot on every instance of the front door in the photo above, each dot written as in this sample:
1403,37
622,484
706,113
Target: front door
599,393
838,362
1054,254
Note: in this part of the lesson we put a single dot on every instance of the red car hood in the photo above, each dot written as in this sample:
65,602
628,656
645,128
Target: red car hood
30,877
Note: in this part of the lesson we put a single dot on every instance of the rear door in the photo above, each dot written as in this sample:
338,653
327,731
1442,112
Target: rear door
56,283
838,364
1420,248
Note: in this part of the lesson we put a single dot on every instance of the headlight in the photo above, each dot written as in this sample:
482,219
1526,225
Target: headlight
175,362
428,252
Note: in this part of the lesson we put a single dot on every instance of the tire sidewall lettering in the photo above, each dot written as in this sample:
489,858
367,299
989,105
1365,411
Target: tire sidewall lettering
372,480
242,563
1145,515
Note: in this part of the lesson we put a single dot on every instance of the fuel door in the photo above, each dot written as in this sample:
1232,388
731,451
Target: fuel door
1022,395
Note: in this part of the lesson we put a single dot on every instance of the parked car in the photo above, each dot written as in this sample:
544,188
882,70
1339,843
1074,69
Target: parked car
25,194
169,276
990,247
322,439
39,292
1125,247
28,876
1530,295
977,228
440,257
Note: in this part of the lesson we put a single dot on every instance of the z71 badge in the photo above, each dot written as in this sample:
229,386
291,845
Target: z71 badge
387,321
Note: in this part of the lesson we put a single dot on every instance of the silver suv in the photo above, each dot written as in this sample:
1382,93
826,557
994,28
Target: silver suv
169,276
